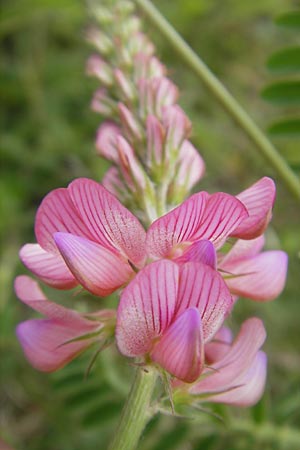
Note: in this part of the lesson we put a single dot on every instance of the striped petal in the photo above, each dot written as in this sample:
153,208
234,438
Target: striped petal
180,350
179,225
146,307
203,288
108,221
49,267
96,268
259,200
260,278
57,213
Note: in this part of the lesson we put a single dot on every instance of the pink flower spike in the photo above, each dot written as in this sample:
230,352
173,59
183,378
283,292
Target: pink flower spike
203,288
180,350
49,267
201,251
146,308
108,221
259,200
46,341
260,278
106,141
97,269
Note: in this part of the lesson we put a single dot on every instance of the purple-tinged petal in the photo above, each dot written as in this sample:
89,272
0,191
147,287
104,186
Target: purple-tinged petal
259,200
219,346
49,267
57,213
226,372
98,269
260,278
201,251
43,342
111,224
223,214
180,350
203,288
106,141
242,250
250,386
178,226
146,308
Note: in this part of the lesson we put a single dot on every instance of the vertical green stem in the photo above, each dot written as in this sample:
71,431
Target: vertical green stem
136,412
223,96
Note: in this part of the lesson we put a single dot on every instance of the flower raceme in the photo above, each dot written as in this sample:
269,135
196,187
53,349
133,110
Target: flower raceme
86,236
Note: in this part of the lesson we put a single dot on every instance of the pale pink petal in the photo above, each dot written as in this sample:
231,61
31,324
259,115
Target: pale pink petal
191,166
178,127
49,267
29,292
155,140
108,221
180,350
106,141
260,278
132,171
223,213
226,372
259,200
179,225
242,249
250,386
98,269
43,343
57,213
146,308
201,251
130,124
219,346
203,288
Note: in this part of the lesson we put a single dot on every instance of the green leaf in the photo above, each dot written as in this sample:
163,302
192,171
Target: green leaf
285,128
290,19
285,61
284,92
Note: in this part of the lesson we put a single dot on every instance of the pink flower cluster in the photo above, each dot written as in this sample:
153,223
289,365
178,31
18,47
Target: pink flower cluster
177,282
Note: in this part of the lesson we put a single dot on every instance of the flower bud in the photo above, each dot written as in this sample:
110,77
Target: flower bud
98,68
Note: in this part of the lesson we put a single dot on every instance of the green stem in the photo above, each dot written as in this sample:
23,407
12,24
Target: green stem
223,96
136,412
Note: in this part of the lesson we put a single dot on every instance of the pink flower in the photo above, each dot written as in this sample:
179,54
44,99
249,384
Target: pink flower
52,342
168,312
236,371
85,236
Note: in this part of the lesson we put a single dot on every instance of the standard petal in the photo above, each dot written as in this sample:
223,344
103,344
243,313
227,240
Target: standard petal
201,251
225,373
98,269
260,278
180,350
179,225
203,288
108,221
45,344
259,200
57,213
49,267
147,307
223,214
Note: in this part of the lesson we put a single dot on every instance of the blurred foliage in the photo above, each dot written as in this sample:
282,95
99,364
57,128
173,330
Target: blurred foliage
47,134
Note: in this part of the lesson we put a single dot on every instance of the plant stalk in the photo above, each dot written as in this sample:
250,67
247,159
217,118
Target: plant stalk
218,90
136,412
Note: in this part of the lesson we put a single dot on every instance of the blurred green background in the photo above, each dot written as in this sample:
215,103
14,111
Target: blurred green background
47,139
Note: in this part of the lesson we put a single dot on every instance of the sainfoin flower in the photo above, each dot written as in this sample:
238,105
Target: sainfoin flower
235,371
168,313
52,342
